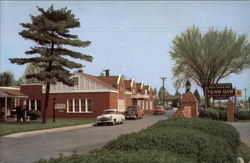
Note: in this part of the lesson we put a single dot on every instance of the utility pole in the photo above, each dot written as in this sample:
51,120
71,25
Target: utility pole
163,89
245,89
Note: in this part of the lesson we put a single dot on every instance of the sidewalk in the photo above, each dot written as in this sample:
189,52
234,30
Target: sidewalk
52,130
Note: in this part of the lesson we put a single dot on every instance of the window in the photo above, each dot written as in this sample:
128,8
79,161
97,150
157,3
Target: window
77,105
70,107
75,80
83,105
32,104
89,105
38,105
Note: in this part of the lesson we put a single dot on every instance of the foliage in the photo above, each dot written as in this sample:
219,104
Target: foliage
34,114
206,58
197,96
213,113
212,127
172,140
243,115
7,79
244,152
31,69
104,156
51,31
15,127
222,114
187,142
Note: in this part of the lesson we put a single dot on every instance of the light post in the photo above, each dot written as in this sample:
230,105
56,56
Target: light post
188,86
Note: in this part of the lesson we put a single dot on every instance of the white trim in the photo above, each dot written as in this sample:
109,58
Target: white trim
13,88
118,80
15,102
86,105
131,85
33,84
83,91
29,104
128,93
35,104
67,105
73,105
142,85
80,105
5,108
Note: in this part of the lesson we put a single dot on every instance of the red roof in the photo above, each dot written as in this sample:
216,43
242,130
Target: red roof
97,79
12,92
128,84
110,80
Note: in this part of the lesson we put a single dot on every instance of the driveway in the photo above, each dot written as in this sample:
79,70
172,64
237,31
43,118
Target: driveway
31,148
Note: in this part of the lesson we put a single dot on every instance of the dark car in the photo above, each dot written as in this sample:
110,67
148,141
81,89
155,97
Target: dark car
134,112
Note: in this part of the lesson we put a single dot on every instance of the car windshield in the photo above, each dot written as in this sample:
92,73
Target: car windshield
108,112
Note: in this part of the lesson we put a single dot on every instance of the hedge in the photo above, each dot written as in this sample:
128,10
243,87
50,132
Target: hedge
243,115
172,140
212,127
104,156
193,144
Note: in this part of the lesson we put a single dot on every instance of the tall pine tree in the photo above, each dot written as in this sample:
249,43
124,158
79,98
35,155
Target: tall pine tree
51,31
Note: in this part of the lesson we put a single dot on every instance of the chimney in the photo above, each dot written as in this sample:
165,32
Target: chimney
106,72
81,71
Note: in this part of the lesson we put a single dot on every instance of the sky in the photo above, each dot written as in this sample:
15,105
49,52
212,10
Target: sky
132,38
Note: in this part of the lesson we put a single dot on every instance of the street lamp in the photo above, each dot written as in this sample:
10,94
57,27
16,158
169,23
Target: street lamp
188,86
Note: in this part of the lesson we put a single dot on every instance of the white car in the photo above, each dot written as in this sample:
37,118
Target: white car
110,116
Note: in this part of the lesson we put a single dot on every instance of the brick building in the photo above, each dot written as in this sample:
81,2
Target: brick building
89,96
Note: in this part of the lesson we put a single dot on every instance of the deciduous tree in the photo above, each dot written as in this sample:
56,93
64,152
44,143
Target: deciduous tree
206,58
7,79
50,30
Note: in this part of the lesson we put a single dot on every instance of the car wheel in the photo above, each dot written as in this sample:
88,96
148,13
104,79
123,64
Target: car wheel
114,122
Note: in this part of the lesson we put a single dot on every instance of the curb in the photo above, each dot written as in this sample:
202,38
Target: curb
45,131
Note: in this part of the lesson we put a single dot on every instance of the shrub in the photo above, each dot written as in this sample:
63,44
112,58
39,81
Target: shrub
104,156
192,144
212,127
203,114
244,152
222,115
34,114
243,115
213,113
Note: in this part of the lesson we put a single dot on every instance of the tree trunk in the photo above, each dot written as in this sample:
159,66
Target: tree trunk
207,104
46,102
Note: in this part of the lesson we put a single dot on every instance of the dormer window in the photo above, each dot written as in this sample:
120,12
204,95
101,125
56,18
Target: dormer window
75,81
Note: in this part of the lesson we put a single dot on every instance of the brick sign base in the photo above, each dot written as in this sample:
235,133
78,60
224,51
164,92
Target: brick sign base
230,111
188,106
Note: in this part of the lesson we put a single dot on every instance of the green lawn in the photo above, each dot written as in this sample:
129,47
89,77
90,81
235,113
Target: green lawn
14,127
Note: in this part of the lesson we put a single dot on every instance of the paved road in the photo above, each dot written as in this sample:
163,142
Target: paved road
31,148
244,130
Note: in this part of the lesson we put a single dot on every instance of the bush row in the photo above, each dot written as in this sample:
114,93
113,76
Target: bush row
219,114
243,115
215,128
105,156
173,140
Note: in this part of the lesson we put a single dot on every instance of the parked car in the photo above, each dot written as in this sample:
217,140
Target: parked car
110,116
159,110
134,112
